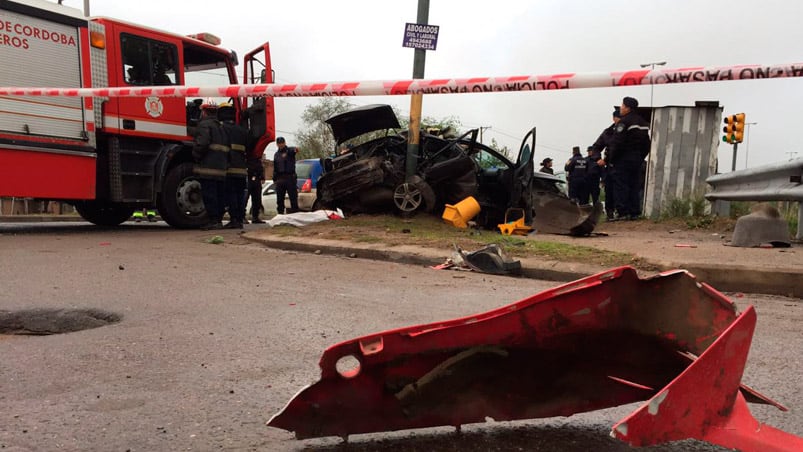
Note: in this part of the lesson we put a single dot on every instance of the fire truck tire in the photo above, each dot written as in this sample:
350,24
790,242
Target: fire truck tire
180,202
104,213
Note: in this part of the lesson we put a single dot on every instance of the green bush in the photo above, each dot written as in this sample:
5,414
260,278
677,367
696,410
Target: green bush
691,210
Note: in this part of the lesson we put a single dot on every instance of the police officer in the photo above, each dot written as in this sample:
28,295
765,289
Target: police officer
210,151
608,170
284,175
576,174
629,145
237,172
593,174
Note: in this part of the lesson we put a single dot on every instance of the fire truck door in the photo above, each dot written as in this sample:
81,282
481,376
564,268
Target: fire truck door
262,121
146,61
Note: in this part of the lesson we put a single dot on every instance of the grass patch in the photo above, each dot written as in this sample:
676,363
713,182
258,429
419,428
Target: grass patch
429,231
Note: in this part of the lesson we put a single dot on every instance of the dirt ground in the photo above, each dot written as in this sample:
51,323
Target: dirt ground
675,244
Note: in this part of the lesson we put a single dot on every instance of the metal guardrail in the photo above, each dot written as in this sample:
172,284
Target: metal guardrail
774,182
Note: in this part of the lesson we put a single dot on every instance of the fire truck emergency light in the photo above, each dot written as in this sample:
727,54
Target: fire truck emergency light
208,38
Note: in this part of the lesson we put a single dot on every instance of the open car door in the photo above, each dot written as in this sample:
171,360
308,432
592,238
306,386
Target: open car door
259,110
523,175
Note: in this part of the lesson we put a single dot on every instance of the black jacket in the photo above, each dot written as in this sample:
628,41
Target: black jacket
604,139
576,168
255,169
284,162
210,150
631,139
238,139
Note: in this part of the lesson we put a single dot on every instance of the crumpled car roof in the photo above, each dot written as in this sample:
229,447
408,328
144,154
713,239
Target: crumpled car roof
361,120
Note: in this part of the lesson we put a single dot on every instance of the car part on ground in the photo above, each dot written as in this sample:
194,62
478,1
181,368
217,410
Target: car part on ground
602,341
488,259
556,214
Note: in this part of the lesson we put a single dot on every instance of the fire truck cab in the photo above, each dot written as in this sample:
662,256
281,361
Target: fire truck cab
109,156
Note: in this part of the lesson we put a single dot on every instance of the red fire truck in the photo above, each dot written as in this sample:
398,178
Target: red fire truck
110,156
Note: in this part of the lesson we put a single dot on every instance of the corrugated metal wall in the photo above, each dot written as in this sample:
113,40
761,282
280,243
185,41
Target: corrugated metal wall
683,155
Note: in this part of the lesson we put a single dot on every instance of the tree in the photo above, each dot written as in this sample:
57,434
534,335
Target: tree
315,139
504,150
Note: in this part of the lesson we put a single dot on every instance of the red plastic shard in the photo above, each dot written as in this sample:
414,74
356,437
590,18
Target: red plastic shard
599,342
721,416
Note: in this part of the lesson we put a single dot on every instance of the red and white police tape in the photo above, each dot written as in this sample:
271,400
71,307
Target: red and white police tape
438,86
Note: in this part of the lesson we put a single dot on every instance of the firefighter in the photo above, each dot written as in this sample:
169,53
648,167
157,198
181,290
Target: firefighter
150,214
237,172
284,174
210,151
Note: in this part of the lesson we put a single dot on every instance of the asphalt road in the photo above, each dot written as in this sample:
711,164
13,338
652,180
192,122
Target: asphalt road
215,339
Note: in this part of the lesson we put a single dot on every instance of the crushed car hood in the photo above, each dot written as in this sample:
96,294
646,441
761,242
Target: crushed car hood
358,121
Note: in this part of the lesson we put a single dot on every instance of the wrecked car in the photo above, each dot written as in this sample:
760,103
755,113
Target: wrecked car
372,176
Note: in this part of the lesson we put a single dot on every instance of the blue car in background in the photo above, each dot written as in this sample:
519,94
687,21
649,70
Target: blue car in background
308,172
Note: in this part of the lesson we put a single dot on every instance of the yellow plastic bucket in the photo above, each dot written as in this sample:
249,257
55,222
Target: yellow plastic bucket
459,214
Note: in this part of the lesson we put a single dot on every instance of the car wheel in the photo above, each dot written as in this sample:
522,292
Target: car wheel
104,213
414,195
180,203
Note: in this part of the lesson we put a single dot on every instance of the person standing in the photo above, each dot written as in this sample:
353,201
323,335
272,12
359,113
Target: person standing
546,166
210,151
628,146
576,175
256,177
608,170
236,173
284,175
593,174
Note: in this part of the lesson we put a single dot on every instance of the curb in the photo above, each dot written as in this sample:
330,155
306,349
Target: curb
39,218
726,278
546,270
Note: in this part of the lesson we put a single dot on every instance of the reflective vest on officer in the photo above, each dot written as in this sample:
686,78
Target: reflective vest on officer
238,139
211,150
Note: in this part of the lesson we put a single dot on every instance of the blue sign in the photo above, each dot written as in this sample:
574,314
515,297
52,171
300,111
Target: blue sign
420,36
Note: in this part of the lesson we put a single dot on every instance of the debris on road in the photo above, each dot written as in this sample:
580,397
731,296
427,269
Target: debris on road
215,240
598,342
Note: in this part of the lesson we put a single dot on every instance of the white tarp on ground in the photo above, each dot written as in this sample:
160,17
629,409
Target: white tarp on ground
304,218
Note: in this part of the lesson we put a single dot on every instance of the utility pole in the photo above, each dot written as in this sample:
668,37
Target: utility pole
416,100
86,8
747,148
481,129
652,85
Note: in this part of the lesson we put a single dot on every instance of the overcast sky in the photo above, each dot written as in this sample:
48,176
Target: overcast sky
362,40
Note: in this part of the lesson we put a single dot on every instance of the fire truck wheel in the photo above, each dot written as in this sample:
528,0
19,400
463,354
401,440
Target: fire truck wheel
180,202
104,213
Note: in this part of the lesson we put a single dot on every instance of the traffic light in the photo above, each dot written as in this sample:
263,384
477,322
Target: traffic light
734,128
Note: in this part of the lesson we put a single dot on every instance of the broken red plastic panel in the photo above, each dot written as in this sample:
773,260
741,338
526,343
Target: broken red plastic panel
599,342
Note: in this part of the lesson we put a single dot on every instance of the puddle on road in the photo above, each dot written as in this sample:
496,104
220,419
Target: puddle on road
43,322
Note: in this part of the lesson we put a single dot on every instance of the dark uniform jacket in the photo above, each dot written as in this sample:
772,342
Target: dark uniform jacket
210,150
604,139
631,139
256,171
594,171
238,137
284,162
576,168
